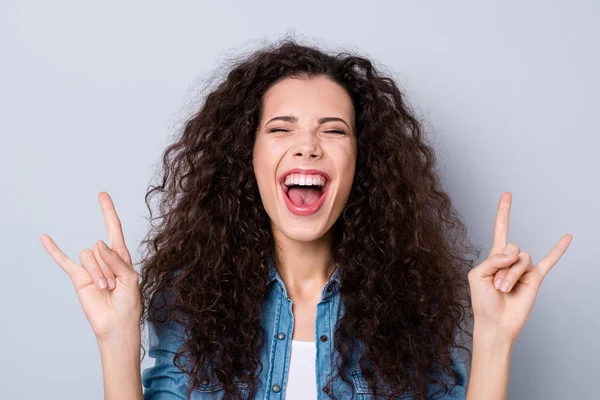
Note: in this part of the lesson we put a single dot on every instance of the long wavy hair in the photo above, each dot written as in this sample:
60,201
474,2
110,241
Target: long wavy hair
401,248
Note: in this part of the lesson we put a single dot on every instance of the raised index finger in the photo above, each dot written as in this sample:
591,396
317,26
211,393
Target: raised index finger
113,226
501,223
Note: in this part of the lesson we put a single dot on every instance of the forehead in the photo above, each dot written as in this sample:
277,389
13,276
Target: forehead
307,98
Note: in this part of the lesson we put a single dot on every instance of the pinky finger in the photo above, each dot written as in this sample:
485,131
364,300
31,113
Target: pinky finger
59,257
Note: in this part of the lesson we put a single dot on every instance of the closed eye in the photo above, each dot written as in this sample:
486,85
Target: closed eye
329,131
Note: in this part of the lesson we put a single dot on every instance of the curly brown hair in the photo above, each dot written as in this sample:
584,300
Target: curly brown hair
402,249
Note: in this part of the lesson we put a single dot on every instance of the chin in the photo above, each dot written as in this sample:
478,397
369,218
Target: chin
302,231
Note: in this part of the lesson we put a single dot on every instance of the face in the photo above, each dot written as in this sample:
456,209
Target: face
304,155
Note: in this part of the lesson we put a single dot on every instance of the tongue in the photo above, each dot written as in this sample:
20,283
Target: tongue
302,197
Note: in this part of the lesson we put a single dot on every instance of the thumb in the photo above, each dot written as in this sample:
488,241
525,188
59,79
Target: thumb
115,262
496,262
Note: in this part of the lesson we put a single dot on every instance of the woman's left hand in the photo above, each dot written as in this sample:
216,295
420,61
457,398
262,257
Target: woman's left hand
502,310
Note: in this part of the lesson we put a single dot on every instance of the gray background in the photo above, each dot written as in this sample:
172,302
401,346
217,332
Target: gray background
90,94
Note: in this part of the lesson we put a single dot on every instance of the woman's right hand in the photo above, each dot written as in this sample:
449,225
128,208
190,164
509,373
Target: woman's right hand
107,285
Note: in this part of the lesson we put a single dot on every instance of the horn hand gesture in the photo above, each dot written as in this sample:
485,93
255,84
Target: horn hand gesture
505,285
106,283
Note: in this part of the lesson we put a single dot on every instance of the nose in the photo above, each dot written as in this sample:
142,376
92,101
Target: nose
307,145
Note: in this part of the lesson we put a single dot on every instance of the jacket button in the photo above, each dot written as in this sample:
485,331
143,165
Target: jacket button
323,338
281,336
276,388
326,389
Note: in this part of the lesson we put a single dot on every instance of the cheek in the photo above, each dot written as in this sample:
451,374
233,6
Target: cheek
264,177
345,166
265,160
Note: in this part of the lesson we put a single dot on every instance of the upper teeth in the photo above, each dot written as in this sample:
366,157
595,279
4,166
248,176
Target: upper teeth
306,180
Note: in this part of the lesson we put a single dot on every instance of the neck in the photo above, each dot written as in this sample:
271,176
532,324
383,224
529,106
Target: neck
304,267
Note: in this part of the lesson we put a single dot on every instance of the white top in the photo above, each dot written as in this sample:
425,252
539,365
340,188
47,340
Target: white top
302,376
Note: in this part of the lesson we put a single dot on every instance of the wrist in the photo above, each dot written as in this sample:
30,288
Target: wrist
121,369
121,339
492,351
491,338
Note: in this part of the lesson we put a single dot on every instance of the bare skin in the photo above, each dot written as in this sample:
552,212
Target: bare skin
114,313
304,321
500,314
107,284
304,256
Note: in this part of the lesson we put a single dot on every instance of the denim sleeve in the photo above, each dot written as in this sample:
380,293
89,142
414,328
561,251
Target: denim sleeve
164,381
458,392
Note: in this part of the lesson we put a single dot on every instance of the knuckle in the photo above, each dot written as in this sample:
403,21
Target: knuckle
87,261
107,255
471,274
106,270
499,259
83,254
135,277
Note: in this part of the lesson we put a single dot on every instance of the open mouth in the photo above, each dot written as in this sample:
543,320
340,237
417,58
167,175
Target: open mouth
305,194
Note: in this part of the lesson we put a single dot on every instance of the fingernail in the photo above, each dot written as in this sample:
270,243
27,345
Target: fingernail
505,286
510,251
111,284
104,246
497,283
102,283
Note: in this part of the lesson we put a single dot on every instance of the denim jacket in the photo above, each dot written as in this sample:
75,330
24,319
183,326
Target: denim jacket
164,381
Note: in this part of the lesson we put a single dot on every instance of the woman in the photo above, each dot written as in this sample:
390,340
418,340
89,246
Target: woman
307,249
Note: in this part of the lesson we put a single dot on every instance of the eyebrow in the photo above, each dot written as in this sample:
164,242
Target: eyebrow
291,118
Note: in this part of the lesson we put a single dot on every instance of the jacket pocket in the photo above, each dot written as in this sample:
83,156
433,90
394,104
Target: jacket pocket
363,392
213,390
